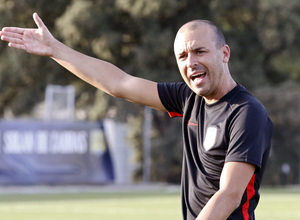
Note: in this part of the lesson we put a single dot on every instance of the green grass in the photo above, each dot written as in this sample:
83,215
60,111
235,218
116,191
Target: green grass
275,204
91,206
279,204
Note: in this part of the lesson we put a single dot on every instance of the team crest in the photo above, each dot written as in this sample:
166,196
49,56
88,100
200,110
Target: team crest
210,138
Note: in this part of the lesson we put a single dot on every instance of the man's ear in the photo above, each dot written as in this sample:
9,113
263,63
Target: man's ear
226,53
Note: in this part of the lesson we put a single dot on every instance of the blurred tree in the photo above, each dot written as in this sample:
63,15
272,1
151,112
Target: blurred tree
278,27
278,31
238,19
282,103
21,80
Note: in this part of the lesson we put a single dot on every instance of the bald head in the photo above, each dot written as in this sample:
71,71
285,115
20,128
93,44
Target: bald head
197,24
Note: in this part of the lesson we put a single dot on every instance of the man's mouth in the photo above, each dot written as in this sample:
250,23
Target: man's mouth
197,76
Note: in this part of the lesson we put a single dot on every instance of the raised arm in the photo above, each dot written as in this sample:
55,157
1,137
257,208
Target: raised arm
101,74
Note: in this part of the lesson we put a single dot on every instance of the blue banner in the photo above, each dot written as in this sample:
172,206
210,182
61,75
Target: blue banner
40,152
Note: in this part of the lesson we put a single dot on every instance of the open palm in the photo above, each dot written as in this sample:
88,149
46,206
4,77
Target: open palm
36,41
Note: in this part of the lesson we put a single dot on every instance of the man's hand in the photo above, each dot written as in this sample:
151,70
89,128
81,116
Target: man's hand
35,41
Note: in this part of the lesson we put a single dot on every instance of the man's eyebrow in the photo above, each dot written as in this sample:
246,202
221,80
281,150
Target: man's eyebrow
181,53
194,49
198,48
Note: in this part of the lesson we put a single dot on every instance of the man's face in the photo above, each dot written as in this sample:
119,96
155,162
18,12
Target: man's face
200,63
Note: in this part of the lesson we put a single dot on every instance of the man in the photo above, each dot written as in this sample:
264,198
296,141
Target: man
226,131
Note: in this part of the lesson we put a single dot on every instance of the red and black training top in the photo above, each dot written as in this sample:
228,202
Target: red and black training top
236,128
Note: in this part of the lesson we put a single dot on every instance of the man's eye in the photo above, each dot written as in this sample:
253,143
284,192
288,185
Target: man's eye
200,52
181,57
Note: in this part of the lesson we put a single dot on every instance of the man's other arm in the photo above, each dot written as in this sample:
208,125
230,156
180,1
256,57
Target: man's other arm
234,179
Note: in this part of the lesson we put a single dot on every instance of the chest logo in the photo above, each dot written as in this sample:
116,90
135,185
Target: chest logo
191,123
210,138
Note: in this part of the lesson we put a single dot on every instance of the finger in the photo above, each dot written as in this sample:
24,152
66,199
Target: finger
17,46
11,34
12,39
38,21
13,30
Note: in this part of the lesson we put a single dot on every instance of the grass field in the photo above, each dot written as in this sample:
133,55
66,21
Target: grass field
279,204
275,204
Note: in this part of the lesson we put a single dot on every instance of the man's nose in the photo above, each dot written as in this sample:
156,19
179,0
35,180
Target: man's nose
191,61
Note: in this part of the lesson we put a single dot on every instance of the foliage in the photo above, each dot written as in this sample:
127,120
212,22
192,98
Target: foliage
20,72
137,36
284,110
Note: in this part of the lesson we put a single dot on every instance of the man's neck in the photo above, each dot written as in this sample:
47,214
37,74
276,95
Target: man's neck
225,88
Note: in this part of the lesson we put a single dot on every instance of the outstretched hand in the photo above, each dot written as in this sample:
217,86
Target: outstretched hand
36,41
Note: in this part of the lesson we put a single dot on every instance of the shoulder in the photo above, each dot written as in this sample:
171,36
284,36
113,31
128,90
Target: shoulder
177,91
173,87
242,99
246,111
174,96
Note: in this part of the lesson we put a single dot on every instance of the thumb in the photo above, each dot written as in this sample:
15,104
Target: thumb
38,21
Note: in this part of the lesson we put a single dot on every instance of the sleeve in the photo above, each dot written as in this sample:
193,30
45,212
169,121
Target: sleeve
173,96
250,135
